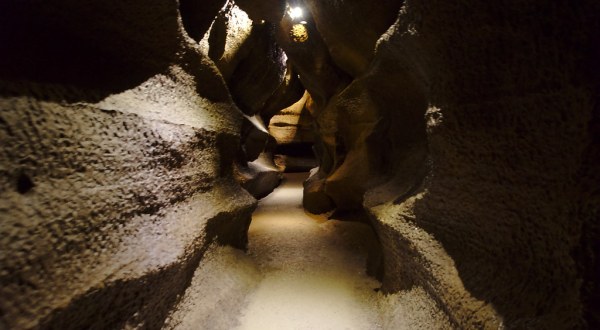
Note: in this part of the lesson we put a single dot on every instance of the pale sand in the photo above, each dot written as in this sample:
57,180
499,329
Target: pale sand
314,269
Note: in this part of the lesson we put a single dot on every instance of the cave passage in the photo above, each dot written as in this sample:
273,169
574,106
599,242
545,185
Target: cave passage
314,269
138,138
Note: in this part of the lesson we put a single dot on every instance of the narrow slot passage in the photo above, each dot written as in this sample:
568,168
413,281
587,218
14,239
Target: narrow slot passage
314,269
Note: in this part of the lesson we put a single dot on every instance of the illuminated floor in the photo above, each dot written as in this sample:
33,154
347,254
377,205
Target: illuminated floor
314,270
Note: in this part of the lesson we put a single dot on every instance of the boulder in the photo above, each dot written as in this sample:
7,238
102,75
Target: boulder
259,177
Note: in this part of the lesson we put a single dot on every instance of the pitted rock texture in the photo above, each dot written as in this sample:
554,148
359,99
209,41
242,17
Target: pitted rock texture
506,152
111,191
260,80
467,131
116,160
485,112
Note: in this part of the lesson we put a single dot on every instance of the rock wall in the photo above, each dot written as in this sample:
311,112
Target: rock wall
467,131
470,138
509,116
241,42
118,137
293,131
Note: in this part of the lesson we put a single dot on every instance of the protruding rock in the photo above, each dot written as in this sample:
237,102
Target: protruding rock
197,15
314,199
254,137
293,124
293,131
259,177
288,93
226,43
351,28
116,136
312,61
260,73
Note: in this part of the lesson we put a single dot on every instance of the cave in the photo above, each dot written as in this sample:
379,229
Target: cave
299,164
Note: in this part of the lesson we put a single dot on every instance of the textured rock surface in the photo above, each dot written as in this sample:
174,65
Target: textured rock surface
223,280
468,131
260,73
351,28
287,94
506,152
226,43
260,176
470,139
261,82
115,162
293,124
197,16
255,137
311,60
293,131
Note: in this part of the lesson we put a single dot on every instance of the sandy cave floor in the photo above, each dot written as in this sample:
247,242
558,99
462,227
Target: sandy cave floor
300,272
314,269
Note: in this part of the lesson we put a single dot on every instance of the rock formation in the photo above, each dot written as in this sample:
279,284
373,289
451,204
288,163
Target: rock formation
292,129
260,81
466,132
118,139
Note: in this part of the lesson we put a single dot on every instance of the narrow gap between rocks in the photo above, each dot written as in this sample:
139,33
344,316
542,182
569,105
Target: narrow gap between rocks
458,142
314,269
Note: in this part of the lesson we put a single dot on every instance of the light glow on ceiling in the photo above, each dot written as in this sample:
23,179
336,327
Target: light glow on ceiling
296,12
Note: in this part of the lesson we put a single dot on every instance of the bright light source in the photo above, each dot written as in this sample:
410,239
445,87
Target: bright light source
299,33
296,12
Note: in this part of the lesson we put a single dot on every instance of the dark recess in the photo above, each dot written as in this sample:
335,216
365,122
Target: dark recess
296,150
24,184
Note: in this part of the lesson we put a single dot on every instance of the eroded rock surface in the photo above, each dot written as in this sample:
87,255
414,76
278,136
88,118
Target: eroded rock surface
351,28
260,176
469,146
293,131
467,131
260,79
116,163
